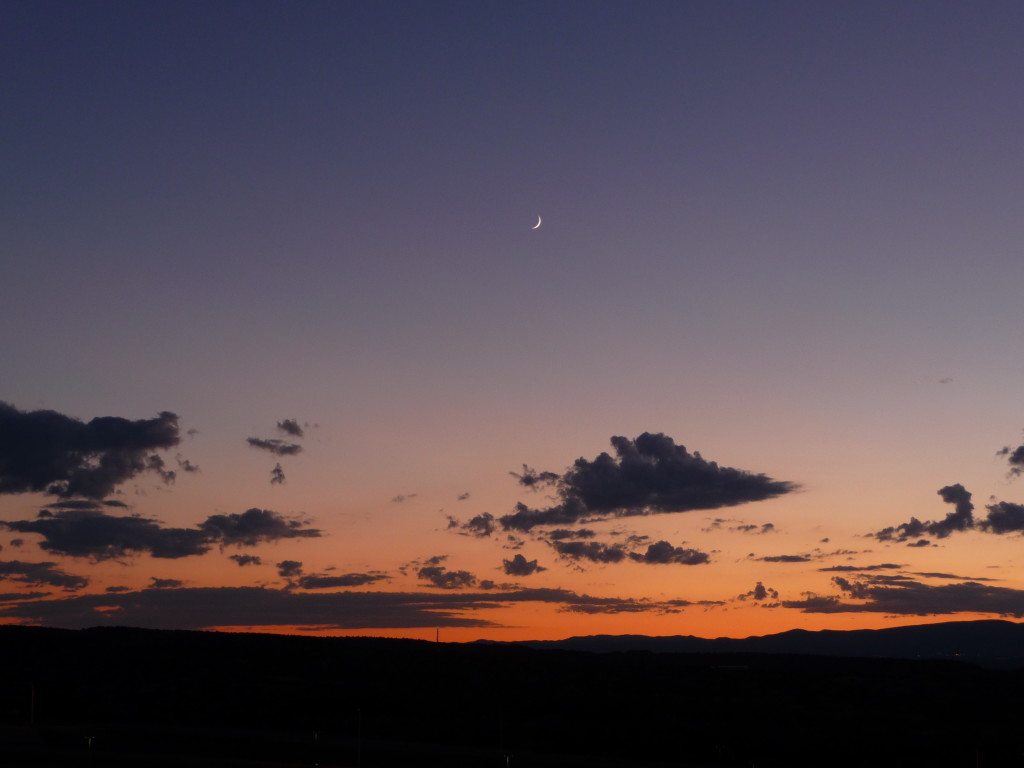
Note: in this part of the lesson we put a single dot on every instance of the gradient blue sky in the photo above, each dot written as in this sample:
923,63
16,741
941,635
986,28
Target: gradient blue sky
786,234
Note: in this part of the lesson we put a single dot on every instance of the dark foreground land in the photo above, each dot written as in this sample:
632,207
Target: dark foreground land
120,697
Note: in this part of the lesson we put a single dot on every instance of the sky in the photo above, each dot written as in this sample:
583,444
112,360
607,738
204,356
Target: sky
284,350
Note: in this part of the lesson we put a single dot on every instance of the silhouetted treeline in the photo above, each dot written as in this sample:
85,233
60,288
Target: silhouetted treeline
126,696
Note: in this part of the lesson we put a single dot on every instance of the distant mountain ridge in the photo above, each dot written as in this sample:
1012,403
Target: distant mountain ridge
990,643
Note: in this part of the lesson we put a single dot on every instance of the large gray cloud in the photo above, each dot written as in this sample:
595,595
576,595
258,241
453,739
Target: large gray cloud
647,475
99,536
46,451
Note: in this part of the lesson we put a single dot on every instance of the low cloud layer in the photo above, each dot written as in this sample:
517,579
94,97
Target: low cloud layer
96,535
903,595
48,452
211,607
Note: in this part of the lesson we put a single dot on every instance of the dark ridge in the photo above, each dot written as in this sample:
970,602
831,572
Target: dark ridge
116,696
992,643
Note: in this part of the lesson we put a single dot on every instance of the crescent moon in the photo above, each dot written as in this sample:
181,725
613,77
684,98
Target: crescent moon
537,225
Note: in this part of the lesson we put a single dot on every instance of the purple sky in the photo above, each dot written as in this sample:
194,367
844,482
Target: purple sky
786,234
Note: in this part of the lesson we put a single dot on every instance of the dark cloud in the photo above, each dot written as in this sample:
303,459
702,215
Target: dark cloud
758,529
857,568
117,589
479,526
648,475
156,465
211,607
919,543
288,569
953,576
663,553
441,577
960,519
186,466
277,475
96,535
319,581
594,551
1003,517
560,534
40,574
1015,457
93,534
276,447
760,593
520,566
905,596
49,452
291,427
243,560
785,559
253,527
534,480
156,583
402,497
16,543
462,496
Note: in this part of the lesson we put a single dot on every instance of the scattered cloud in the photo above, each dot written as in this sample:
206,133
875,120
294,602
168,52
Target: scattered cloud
534,480
40,575
1015,457
322,581
288,569
960,519
462,496
156,583
402,497
593,551
94,534
244,560
862,568
275,446
185,465
663,553
291,427
520,566
277,476
48,452
441,577
479,526
253,527
785,559
1003,517
759,593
